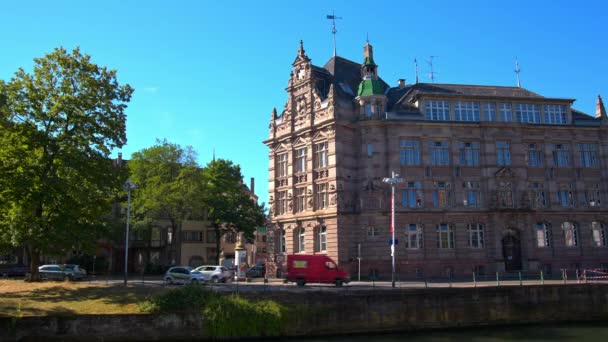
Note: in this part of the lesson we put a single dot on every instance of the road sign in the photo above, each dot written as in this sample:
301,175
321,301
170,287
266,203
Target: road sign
390,242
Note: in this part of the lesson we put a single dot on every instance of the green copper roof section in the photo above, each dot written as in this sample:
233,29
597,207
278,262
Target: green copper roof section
369,61
370,87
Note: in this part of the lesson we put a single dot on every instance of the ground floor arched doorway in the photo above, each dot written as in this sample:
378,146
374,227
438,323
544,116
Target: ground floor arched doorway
511,250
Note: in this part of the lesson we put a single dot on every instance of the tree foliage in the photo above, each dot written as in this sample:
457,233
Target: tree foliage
58,126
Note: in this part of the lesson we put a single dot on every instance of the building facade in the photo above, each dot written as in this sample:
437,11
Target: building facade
495,179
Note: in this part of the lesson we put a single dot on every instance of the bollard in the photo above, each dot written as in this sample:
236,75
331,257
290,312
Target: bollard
474,280
578,281
497,281
426,284
520,282
542,279
565,276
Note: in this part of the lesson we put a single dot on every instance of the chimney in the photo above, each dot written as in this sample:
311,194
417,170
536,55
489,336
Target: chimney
401,82
600,110
119,160
252,187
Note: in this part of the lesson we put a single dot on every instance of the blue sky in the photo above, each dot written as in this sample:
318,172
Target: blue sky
208,73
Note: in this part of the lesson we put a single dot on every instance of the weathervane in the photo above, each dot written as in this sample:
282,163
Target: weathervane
333,18
517,71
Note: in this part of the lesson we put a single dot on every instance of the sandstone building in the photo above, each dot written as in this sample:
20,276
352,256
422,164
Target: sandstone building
496,179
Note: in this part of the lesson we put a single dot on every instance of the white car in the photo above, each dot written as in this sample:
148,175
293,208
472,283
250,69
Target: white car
215,273
184,275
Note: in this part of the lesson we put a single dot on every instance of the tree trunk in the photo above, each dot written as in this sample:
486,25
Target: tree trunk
216,229
34,263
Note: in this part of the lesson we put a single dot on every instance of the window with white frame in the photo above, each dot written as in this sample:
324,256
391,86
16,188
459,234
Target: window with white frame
472,194
413,195
598,230
413,236
503,153
466,111
468,153
538,199
300,199
506,114
322,238
593,196
281,164
439,152
528,113
587,156
372,231
300,240
438,110
570,234
445,236
555,114
321,195
475,235
441,195
543,235
489,110
536,156
281,241
281,202
320,155
300,160
409,152
561,155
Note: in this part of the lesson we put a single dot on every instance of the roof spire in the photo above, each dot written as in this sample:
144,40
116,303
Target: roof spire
333,18
600,111
416,65
301,49
517,71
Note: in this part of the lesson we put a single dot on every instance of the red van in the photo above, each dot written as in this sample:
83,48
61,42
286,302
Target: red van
303,268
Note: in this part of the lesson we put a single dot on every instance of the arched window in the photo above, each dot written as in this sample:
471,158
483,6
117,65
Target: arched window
543,235
599,234
570,234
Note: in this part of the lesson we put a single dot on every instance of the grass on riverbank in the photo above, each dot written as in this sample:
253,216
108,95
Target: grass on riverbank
18,298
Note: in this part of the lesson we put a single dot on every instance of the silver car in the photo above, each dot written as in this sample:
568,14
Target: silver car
183,275
215,273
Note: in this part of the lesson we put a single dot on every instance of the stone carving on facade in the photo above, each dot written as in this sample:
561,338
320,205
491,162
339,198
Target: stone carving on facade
309,201
289,202
270,205
332,195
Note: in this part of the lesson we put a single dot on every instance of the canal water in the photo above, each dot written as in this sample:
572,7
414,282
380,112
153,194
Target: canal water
532,333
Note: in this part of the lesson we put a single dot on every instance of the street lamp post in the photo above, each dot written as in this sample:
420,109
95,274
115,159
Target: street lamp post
129,186
394,179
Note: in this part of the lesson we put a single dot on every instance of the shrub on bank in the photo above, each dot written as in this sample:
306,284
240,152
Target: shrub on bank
186,298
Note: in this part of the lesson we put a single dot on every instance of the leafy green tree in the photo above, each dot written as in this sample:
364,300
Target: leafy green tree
168,184
57,129
229,206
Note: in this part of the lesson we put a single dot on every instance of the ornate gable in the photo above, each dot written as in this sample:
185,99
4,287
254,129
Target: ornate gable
505,173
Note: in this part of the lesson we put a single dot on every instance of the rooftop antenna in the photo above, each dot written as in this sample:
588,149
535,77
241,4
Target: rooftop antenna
333,18
214,154
432,73
416,65
517,71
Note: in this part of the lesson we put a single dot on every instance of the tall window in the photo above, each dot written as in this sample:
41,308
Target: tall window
281,165
441,195
503,153
439,152
472,194
320,155
587,156
409,152
445,236
301,240
489,109
505,195
466,111
555,114
538,198
535,155
469,153
322,239
438,110
281,241
300,199
475,235
543,235
370,150
561,155
412,195
528,113
321,193
598,230
281,202
413,236
570,234
300,160
565,195
593,196
368,111
506,114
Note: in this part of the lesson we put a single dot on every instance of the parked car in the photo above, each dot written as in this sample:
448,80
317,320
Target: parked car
183,275
257,271
215,273
62,272
17,271
317,268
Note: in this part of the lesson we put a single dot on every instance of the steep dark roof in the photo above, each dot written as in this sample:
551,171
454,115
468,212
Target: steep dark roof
473,90
583,119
